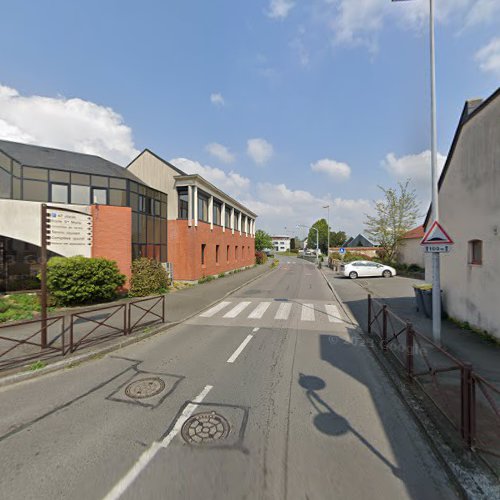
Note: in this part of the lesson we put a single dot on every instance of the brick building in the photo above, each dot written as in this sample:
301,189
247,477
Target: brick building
209,231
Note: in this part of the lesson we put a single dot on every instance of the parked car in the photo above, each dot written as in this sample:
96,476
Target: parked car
365,268
268,252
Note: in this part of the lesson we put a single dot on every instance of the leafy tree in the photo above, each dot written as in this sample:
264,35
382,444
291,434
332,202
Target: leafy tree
394,216
337,239
262,240
322,227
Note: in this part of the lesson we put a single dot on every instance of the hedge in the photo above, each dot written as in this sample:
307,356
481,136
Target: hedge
149,277
80,280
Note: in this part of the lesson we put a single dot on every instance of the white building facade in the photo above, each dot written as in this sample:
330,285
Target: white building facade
281,243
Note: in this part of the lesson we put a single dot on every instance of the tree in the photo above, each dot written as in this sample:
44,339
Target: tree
262,240
322,227
337,239
395,216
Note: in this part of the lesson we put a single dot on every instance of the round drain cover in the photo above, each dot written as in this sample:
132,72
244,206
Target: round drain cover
145,388
204,428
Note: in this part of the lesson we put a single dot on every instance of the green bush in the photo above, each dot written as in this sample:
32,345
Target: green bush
206,279
149,277
79,280
222,275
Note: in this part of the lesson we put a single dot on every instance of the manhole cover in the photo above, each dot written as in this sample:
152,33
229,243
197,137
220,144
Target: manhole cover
145,388
204,428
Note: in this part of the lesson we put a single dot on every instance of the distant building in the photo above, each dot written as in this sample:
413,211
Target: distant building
469,210
360,241
281,243
410,251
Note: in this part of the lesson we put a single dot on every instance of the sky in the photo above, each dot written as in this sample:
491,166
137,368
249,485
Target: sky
287,105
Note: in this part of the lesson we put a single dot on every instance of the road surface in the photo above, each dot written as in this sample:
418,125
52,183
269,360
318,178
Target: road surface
281,399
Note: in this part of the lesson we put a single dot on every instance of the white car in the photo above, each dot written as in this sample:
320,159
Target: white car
364,268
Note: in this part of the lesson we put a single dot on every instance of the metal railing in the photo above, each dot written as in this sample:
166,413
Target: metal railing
450,383
87,327
30,340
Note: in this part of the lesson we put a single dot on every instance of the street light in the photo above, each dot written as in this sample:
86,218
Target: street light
328,248
436,280
317,238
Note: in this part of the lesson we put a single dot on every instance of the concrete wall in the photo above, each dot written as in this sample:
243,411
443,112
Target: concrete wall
157,175
411,252
184,250
21,220
470,209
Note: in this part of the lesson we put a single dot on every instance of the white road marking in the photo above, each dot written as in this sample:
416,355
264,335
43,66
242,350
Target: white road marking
307,313
236,310
120,487
256,329
214,310
283,311
333,313
259,311
242,346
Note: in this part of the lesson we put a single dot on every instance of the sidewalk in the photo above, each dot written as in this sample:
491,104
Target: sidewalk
398,294
179,306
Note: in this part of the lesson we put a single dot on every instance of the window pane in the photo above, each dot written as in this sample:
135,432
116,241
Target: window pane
163,210
118,183
133,185
5,178
157,207
151,231
59,176
16,189
134,201
163,254
119,198
35,191
163,239
183,203
35,173
5,162
99,181
16,169
59,193
135,228
80,179
100,196
80,195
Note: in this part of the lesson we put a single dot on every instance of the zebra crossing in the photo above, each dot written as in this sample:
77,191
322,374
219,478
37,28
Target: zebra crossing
273,312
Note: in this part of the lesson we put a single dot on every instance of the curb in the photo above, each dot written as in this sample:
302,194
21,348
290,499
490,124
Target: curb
97,353
470,480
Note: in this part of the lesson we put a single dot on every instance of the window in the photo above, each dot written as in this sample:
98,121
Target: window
217,254
475,252
203,247
236,252
59,193
118,198
5,178
242,252
35,190
227,253
183,203
35,173
202,207
217,213
59,176
228,218
80,195
99,196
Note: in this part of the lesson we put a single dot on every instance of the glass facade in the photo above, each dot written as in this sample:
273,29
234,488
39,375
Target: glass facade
19,182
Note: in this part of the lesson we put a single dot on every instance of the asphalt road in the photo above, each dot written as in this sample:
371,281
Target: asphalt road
293,407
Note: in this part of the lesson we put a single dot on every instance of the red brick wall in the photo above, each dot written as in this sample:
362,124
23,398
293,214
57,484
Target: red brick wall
184,249
112,235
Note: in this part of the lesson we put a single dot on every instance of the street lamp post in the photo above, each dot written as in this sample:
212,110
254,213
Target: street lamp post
436,279
328,247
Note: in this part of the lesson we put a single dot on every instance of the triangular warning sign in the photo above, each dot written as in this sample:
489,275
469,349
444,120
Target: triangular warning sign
436,235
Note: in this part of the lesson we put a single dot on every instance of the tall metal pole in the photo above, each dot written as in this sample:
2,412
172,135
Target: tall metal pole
317,246
436,279
43,275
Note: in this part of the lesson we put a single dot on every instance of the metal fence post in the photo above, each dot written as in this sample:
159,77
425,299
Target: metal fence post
409,349
369,313
71,333
125,329
128,326
163,309
466,404
384,327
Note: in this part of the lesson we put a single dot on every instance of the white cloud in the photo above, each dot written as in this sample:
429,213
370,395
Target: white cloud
220,152
482,11
335,169
217,99
232,183
279,9
417,168
73,124
259,150
489,57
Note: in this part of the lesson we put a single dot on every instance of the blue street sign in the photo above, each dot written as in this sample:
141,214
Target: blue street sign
341,250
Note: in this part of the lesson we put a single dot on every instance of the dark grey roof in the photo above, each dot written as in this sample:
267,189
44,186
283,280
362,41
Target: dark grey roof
360,241
41,156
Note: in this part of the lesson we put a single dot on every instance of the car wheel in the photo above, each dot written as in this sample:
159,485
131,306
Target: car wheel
387,273
353,275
